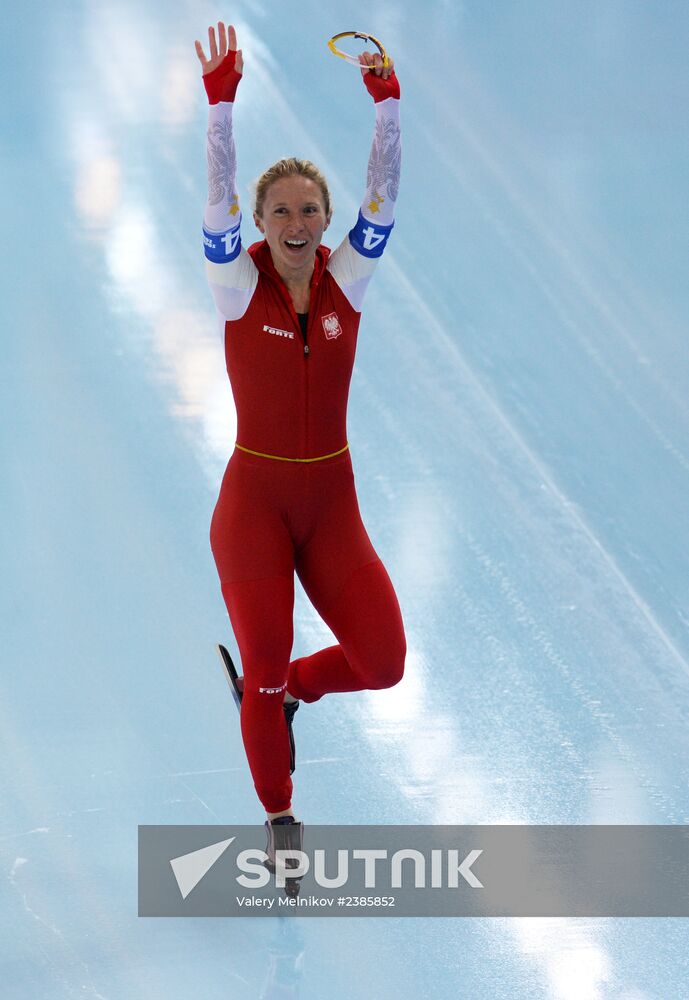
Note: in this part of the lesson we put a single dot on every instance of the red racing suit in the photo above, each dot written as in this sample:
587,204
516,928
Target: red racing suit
288,503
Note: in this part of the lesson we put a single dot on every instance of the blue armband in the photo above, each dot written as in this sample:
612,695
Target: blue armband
369,238
221,248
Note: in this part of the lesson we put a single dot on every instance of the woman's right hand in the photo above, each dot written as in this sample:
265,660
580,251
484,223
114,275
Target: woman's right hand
223,71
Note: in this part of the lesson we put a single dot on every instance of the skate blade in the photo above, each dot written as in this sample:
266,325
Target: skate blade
230,674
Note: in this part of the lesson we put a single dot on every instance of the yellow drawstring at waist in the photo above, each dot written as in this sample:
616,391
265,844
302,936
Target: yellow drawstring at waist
281,458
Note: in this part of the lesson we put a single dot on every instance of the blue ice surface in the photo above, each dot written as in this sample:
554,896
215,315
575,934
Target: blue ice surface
519,429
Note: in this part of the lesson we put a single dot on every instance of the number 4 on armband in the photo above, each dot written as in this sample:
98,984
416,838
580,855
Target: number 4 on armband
231,240
372,239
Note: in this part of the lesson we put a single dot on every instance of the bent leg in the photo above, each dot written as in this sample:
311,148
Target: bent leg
367,622
351,590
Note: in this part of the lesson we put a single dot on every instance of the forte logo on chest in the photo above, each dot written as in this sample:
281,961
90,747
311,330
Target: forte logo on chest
278,333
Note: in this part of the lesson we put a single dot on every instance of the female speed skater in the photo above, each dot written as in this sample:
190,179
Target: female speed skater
290,310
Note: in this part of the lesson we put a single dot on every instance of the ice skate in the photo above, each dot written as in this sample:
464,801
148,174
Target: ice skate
284,834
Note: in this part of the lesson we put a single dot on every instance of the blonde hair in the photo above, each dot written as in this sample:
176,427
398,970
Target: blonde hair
290,167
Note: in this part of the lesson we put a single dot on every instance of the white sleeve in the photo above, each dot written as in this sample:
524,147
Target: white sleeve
232,274
354,261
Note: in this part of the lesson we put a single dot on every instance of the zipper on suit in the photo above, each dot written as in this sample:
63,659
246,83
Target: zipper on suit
307,351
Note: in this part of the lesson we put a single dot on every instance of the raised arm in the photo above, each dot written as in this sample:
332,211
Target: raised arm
231,273
354,261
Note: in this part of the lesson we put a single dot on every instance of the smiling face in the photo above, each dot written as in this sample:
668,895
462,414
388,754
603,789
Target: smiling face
293,223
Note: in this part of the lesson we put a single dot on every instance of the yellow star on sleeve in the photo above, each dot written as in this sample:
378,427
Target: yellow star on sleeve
234,208
374,206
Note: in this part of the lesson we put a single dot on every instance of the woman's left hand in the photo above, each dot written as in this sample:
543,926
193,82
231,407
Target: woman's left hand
381,81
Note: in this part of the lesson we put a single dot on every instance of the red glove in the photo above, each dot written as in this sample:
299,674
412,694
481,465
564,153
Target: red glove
381,89
221,84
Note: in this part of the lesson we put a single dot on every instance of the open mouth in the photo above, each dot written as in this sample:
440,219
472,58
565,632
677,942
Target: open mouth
295,245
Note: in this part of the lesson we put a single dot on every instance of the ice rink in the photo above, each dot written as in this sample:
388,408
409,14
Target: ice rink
519,429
